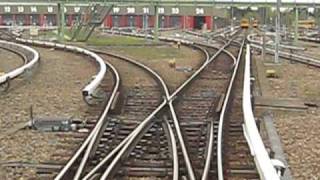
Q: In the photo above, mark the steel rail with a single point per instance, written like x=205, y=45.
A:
x=173, y=114
x=220, y=32
x=311, y=39
x=179, y=134
x=144, y=123
x=296, y=57
x=178, y=130
x=174, y=152
x=260, y=42
x=165, y=89
x=90, y=139
x=221, y=120
x=177, y=126
x=191, y=174
x=176, y=123
x=99, y=125
x=141, y=126
x=299, y=58
x=175, y=120
x=223, y=113
x=93, y=145
x=224, y=50
x=186, y=83
x=142, y=66
x=21, y=54
x=114, y=151
x=133, y=135
x=212, y=46
x=199, y=70
x=88, y=90
x=18, y=71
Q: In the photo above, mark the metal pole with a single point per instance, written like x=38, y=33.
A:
x=264, y=46
x=145, y=25
x=216, y=25
x=296, y=25
x=276, y=56
x=212, y=17
x=156, y=24
x=264, y=16
x=232, y=17
x=61, y=21
x=318, y=18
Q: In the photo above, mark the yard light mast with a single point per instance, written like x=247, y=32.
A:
x=232, y=16
x=296, y=24
x=156, y=23
x=276, y=55
x=61, y=24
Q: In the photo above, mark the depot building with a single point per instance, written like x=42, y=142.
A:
x=47, y=14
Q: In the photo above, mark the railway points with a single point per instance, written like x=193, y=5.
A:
x=159, y=90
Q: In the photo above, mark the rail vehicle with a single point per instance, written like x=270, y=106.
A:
x=244, y=23
x=307, y=24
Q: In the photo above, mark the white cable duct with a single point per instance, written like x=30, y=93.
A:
x=16, y=72
x=90, y=88
x=260, y=42
x=258, y=151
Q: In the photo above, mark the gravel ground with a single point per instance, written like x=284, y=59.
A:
x=9, y=60
x=299, y=130
x=295, y=80
x=131, y=76
x=54, y=90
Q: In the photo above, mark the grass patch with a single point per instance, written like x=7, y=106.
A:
x=152, y=52
x=47, y=33
x=114, y=40
x=54, y=34
x=96, y=40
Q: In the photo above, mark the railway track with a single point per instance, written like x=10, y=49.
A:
x=145, y=159
x=99, y=91
x=288, y=52
x=69, y=167
x=170, y=135
x=237, y=160
x=165, y=89
x=140, y=100
x=161, y=171
x=196, y=109
x=95, y=125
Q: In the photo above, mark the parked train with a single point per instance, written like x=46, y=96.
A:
x=245, y=23
x=307, y=24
